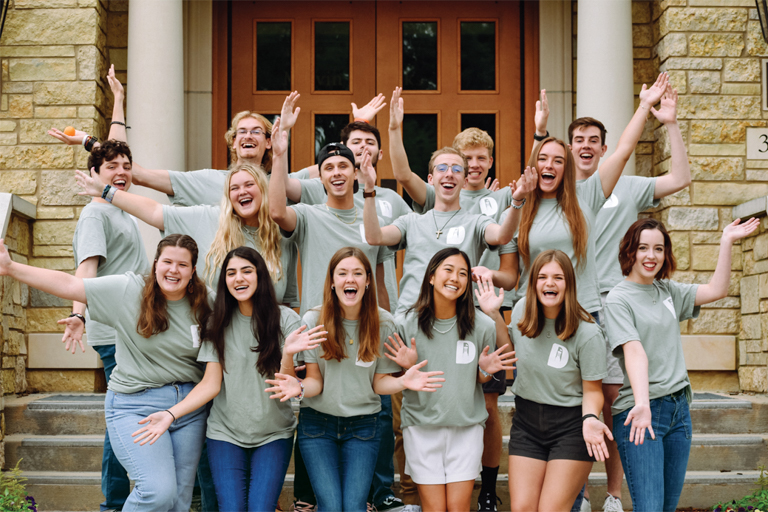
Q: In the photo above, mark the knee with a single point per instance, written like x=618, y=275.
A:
x=160, y=493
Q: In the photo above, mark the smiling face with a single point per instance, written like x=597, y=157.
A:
x=242, y=280
x=349, y=282
x=338, y=176
x=448, y=183
x=246, y=196
x=551, y=168
x=173, y=270
x=360, y=141
x=649, y=257
x=117, y=172
x=550, y=288
x=587, y=149
x=451, y=278
x=480, y=161
x=250, y=147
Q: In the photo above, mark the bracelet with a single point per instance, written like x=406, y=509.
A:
x=643, y=106
x=586, y=416
x=300, y=396
x=110, y=194
x=79, y=316
x=517, y=207
x=121, y=124
x=361, y=120
x=173, y=415
x=483, y=372
x=539, y=138
x=105, y=191
x=88, y=142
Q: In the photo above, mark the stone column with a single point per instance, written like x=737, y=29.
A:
x=156, y=92
x=556, y=63
x=604, y=85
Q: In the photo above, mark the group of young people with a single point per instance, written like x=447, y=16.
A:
x=203, y=352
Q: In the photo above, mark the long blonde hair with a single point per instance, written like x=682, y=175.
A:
x=230, y=232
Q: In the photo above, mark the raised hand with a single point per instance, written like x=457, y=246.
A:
x=283, y=387
x=486, y=296
x=69, y=140
x=279, y=138
x=496, y=361
x=287, y=114
x=640, y=419
x=114, y=84
x=542, y=114
x=158, y=423
x=493, y=186
x=650, y=96
x=367, y=174
x=299, y=340
x=417, y=380
x=667, y=112
x=401, y=353
x=5, y=260
x=369, y=111
x=736, y=231
x=529, y=180
x=595, y=432
x=396, y=109
x=480, y=273
x=73, y=333
x=91, y=184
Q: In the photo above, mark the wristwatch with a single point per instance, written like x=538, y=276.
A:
x=368, y=194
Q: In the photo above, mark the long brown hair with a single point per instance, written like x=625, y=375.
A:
x=631, y=241
x=566, y=200
x=153, y=318
x=571, y=312
x=425, y=304
x=331, y=314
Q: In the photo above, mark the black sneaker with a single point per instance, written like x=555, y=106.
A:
x=486, y=502
x=390, y=504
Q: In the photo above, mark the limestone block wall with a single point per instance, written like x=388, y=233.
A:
x=753, y=339
x=54, y=55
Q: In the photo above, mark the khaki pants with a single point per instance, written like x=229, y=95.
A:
x=407, y=486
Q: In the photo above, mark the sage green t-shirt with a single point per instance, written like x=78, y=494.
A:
x=651, y=314
x=243, y=413
x=550, y=230
x=549, y=370
x=460, y=402
x=202, y=222
x=389, y=206
x=463, y=230
x=303, y=174
x=320, y=232
x=481, y=201
x=348, y=384
x=193, y=188
x=112, y=235
x=632, y=195
x=142, y=363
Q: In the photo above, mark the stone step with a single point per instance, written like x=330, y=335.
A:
x=59, y=491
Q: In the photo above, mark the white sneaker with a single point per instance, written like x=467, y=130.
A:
x=612, y=504
x=585, y=506
x=411, y=508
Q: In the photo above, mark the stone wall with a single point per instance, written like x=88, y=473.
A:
x=753, y=339
x=54, y=55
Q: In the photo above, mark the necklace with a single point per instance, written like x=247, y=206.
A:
x=439, y=231
x=448, y=329
x=342, y=220
x=351, y=340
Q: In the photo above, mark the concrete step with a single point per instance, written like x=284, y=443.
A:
x=54, y=453
x=59, y=414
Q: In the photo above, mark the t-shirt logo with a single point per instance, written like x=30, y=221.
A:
x=455, y=235
x=465, y=352
x=364, y=364
x=670, y=306
x=195, y=335
x=558, y=356
x=612, y=202
x=385, y=208
x=362, y=233
x=489, y=206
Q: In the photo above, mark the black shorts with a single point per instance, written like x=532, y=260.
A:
x=497, y=384
x=547, y=432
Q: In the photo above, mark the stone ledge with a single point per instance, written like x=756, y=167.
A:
x=757, y=207
x=11, y=203
x=704, y=352
x=47, y=351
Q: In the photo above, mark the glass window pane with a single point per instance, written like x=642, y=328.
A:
x=478, y=56
x=273, y=56
x=328, y=129
x=420, y=141
x=332, y=56
x=485, y=122
x=420, y=56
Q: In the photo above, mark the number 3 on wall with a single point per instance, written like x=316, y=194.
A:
x=757, y=143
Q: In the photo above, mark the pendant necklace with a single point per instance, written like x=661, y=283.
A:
x=439, y=231
x=449, y=328
x=342, y=220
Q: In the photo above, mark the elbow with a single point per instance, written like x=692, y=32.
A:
x=372, y=239
x=277, y=213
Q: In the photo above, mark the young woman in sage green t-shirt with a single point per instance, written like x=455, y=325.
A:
x=338, y=429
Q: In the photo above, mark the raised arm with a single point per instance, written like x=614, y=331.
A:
x=610, y=170
x=368, y=112
x=410, y=181
x=144, y=208
x=280, y=213
x=283, y=124
x=374, y=233
x=382, y=295
x=73, y=332
x=717, y=288
x=500, y=234
x=59, y=284
x=679, y=175
x=540, y=121
x=490, y=303
x=117, y=130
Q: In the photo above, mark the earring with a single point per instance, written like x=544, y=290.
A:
x=366, y=287
x=333, y=287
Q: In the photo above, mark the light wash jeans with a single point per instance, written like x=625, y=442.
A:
x=164, y=472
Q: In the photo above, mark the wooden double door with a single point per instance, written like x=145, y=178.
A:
x=460, y=64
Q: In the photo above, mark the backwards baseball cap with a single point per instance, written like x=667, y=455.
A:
x=335, y=149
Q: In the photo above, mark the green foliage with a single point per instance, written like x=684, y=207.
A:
x=755, y=502
x=13, y=492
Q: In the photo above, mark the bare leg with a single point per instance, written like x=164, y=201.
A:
x=526, y=477
x=492, y=432
x=433, y=498
x=613, y=469
x=562, y=482
x=459, y=495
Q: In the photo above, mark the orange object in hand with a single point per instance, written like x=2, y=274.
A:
x=69, y=131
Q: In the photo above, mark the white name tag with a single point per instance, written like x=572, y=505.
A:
x=670, y=306
x=385, y=208
x=489, y=206
x=465, y=352
x=611, y=202
x=195, y=335
x=358, y=362
x=362, y=234
x=455, y=235
x=558, y=356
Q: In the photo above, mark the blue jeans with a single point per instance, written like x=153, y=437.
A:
x=340, y=455
x=655, y=470
x=249, y=479
x=164, y=472
x=114, y=479
x=384, y=472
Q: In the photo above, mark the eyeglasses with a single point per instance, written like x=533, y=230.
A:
x=454, y=168
x=256, y=132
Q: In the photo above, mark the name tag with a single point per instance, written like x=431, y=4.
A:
x=670, y=306
x=489, y=206
x=611, y=202
x=558, y=356
x=465, y=352
x=195, y=335
x=364, y=364
x=362, y=234
x=385, y=208
x=455, y=235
